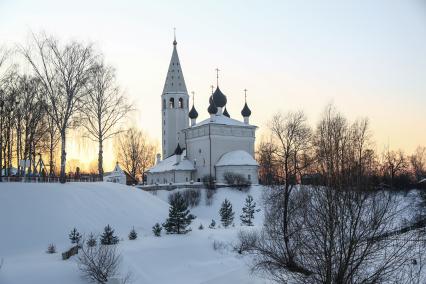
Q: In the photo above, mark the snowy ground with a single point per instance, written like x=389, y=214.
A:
x=34, y=215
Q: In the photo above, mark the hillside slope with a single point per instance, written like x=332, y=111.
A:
x=34, y=215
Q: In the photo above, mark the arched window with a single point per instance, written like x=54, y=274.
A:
x=171, y=103
x=180, y=103
x=164, y=104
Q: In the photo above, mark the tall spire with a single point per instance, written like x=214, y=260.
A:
x=174, y=33
x=175, y=82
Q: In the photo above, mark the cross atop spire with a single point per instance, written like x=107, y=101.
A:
x=217, y=76
x=174, y=33
x=193, y=97
x=212, y=87
x=245, y=95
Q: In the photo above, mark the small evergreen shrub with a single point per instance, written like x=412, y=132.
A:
x=108, y=237
x=75, y=236
x=201, y=227
x=91, y=241
x=212, y=224
x=156, y=229
x=133, y=235
x=226, y=213
x=51, y=249
x=248, y=211
x=179, y=216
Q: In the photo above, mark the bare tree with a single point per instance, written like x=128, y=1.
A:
x=394, y=163
x=99, y=263
x=4, y=56
x=292, y=135
x=268, y=166
x=135, y=152
x=337, y=233
x=104, y=107
x=63, y=72
x=418, y=163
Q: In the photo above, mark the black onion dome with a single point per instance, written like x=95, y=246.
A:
x=225, y=113
x=219, y=98
x=212, y=109
x=246, y=112
x=178, y=150
x=193, y=113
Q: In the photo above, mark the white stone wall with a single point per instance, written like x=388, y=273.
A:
x=224, y=139
x=169, y=177
x=249, y=172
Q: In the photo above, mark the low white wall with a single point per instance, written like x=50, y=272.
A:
x=169, y=177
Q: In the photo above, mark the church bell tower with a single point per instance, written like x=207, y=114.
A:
x=175, y=106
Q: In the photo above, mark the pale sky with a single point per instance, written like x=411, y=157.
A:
x=368, y=57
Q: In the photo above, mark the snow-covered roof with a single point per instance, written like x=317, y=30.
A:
x=236, y=158
x=422, y=180
x=222, y=119
x=169, y=164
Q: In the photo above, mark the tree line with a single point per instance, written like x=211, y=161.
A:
x=342, y=227
x=294, y=152
x=66, y=86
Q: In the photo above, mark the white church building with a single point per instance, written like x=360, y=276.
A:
x=192, y=150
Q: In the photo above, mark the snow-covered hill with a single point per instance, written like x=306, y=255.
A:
x=34, y=215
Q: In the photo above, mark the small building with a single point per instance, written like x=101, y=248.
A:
x=119, y=175
x=174, y=169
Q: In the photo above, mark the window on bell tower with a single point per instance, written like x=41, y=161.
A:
x=171, y=103
x=180, y=103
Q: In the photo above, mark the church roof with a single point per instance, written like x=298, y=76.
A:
x=236, y=158
x=224, y=120
x=175, y=82
x=169, y=164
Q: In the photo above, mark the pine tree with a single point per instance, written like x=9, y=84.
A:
x=108, y=237
x=133, y=235
x=201, y=227
x=179, y=216
x=156, y=229
x=75, y=236
x=226, y=213
x=91, y=241
x=248, y=211
x=212, y=224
